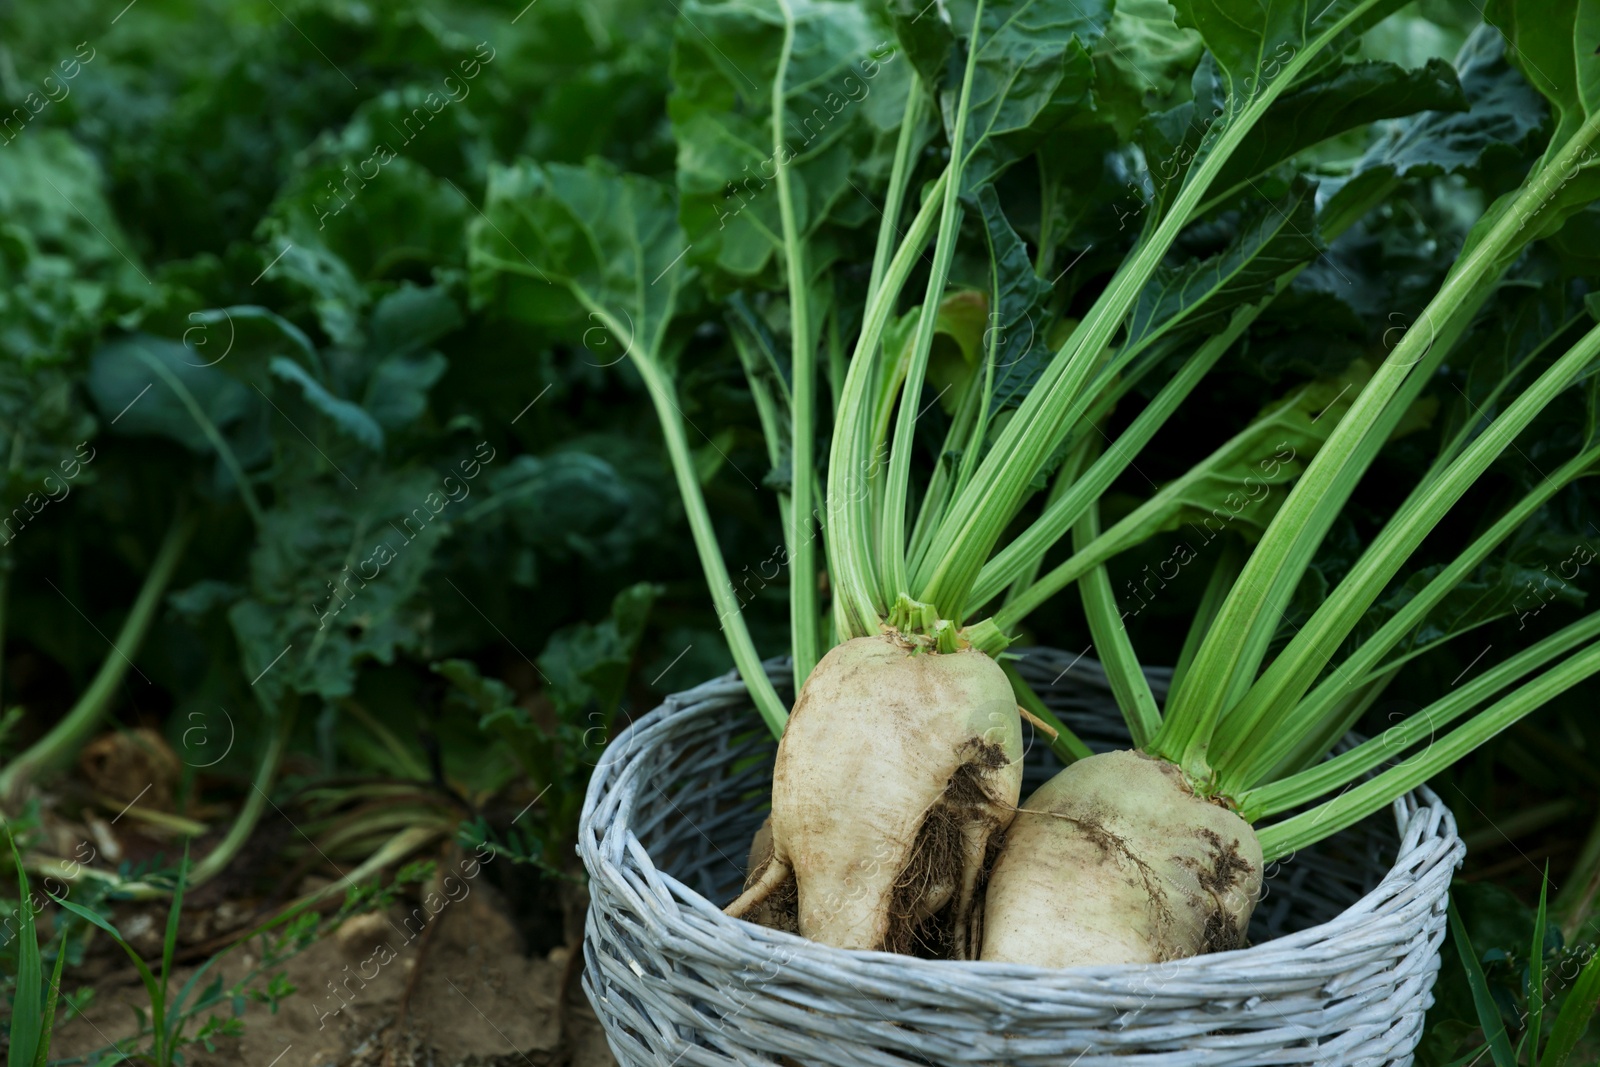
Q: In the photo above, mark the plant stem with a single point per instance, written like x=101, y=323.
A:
x=1030, y=546
x=852, y=554
x=1144, y=520
x=769, y=408
x=976, y=520
x=1066, y=477
x=1232, y=652
x=962, y=430
x=61, y=744
x=247, y=492
x=1297, y=667
x=1325, y=777
x=1358, y=802
x=1452, y=449
x=899, y=179
x=1221, y=580
x=743, y=647
x=1128, y=682
x=408, y=761
x=1262, y=748
x=244, y=823
x=892, y=545
x=803, y=354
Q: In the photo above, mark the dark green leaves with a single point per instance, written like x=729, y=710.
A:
x=600, y=508
x=335, y=578
x=1553, y=43
x=346, y=417
x=404, y=325
x=1033, y=72
x=1502, y=112
x=126, y=381
x=1142, y=59
x=27, y=1004
x=586, y=665
x=338, y=234
x=1274, y=239
x=595, y=244
x=1494, y=1027
x=61, y=273
x=1576, y=1013
x=1172, y=140
x=1253, y=42
x=582, y=672
x=842, y=98
x=1500, y=588
x=1014, y=335
x=1347, y=98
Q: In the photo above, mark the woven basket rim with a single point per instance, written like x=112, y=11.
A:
x=1323, y=951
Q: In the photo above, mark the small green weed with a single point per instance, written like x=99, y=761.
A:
x=1550, y=974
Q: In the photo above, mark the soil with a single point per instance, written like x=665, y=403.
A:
x=476, y=999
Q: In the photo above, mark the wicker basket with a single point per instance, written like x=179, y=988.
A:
x=1345, y=941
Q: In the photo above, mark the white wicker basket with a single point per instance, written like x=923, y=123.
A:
x=1344, y=955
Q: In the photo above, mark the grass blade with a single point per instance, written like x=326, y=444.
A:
x=1573, y=1020
x=169, y=948
x=26, y=1034
x=51, y=996
x=150, y=985
x=1494, y=1027
x=1536, y=973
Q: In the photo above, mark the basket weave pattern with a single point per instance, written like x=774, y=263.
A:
x=1341, y=969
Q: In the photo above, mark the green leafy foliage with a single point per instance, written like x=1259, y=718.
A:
x=1502, y=113
x=608, y=249
x=842, y=100
x=1273, y=240
x=584, y=669
x=1143, y=58
x=1346, y=97
x=1018, y=315
x=1253, y=43
x=1032, y=70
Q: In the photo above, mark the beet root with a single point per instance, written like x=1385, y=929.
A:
x=1116, y=860
x=898, y=767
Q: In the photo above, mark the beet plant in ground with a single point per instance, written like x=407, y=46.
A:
x=918, y=220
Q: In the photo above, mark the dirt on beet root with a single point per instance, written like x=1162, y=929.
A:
x=474, y=997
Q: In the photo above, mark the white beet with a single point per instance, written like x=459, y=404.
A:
x=896, y=769
x=1116, y=860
